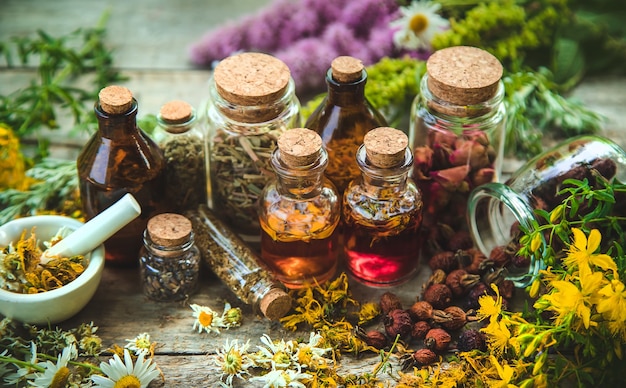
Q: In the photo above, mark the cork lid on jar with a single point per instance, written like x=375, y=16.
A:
x=346, y=69
x=176, y=112
x=169, y=229
x=275, y=304
x=463, y=75
x=299, y=147
x=385, y=147
x=115, y=99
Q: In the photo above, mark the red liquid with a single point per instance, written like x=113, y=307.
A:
x=296, y=263
x=382, y=261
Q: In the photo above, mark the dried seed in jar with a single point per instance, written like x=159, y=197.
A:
x=438, y=295
x=388, y=302
x=438, y=340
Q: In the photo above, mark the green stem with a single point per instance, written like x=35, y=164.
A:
x=20, y=363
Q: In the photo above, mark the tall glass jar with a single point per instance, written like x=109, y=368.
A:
x=169, y=261
x=457, y=137
x=382, y=212
x=499, y=212
x=118, y=159
x=252, y=101
x=182, y=140
x=299, y=212
x=343, y=117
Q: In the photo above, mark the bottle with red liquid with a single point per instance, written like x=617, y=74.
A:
x=382, y=212
x=118, y=159
x=299, y=212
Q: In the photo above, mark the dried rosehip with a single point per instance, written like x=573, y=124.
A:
x=375, y=339
x=398, y=322
x=424, y=357
x=460, y=281
x=460, y=240
x=437, y=339
x=475, y=293
x=420, y=328
x=500, y=256
x=438, y=295
x=506, y=288
x=477, y=262
x=388, y=302
x=445, y=261
x=457, y=320
x=472, y=339
x=421, y=311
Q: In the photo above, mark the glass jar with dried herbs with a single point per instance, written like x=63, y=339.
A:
x=299, y=212
x=252, y=101
x=343, y=117
x=169, y=261
x=382, y=212
x=118, y=159
x=182, y=140
x=457, y=137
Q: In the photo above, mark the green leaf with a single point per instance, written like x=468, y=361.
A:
x=568, y=63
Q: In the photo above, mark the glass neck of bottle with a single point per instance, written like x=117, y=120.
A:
x=180, y=127
x=344, y=94
x=170, y=250
x=116, y=125
x=383, y=182
x=301, y=182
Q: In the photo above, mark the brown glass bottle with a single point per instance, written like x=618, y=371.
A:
x=343, y=118
x=118, y=159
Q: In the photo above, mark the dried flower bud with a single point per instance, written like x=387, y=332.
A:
x=472, y=339
x=453, y=178
x=482, y=176
x=445, y=261
x=438, y=295
x=421, y=311
x=459, y=281
x=423, y=161
x=388, y=302
x=437, y=339
x=420, y=328
x=398, y=322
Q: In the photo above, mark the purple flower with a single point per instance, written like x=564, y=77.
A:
x=218, y=44
x=362, y=15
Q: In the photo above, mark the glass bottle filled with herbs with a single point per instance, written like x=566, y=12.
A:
x=252, y=101
x=181, y=138
x=382, y=212
x=299, y=212
x=343, y=117
x=118, y=159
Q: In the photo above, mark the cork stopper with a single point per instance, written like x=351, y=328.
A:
x=115, y=99
x=176, y=112
x=299, y=147
x=251, y=78
x=275, y=304
x=169, y=229
x=463, y=75
x=385, y=147
x=346, y=69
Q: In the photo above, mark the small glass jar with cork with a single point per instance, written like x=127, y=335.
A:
x=457, y=130
x=252, y=101
x=382, y=212
x=169, y=261
x=299, y=212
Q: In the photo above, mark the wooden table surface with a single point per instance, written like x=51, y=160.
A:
x=150, y=40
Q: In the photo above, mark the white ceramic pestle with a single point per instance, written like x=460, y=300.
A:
x=95, y=231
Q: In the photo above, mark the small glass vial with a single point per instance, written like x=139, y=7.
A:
x=343, y=117
x=252, y=101
x=169, y=261
x=382, y=212
x=118, y=159
x=497, y=212
x=299, y=212
x=457, y=130
x=238, y=266
x=182, y=141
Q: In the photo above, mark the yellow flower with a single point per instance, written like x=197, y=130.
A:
x=581, y=253
x=570, y=299
x=490, y=307
x=613, y=302
x=498, y=336
x=505, y=372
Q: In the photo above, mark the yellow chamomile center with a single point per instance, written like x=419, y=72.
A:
x=60, y=378
x=128, y=381
x=418, y=23
x=205, y=318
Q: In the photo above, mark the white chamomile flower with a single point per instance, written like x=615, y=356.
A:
x=140, y=344
x=206, y=319
x=309, y=355
x=23, y=372
x=283, y=378
x=234, y=361
x=418, y=25
x=4, y=366
x=55, y=375
x=278, y=353
x=125, y=374
x=231, y=317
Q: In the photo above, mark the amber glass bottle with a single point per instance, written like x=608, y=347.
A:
x=343, y=118
x=299, y=212
x=118, y=159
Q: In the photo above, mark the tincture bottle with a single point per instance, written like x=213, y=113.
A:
x=343, y=117
x=299, y=212
x=382, y=212
x=181, y=138
x=252, y=101
x=458, y=123
x=118, y=159
x=169, y=261
x=237, y=265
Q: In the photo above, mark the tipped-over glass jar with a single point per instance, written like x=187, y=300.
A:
x=499, y=213
x=457, y=137
x=252, y=101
